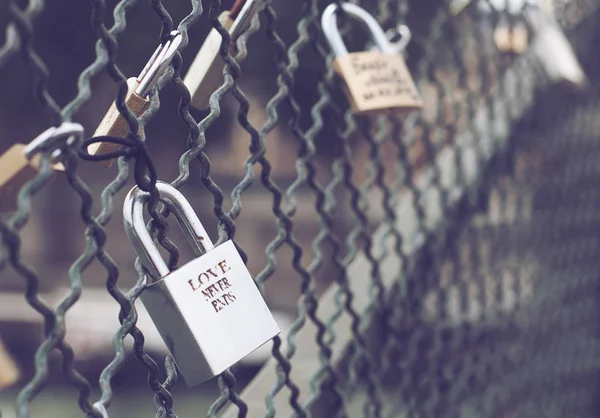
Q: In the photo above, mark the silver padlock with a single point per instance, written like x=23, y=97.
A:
x=206, y=71
x=209, y=312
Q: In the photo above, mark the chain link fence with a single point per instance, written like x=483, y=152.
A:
x=437, y=264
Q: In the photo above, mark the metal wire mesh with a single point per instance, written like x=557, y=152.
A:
x=460, y=259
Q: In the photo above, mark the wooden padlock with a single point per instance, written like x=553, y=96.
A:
x=21, y=163
x=9, y=371
x=206, y=72
x=113, y=124
x=375, y=81
x=138, y=89
x=457, y=6
x=512, y=38
x=554, y=52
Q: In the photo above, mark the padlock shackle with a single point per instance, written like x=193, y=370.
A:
x=158, y=64
x=52, y=139
x=405, y=36
x=334, y=37
x=135, y=226
x=243, y=19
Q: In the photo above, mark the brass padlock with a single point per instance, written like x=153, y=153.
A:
x=138, y=88
x=206, y=72
x=9, y=370
x=209, y=312
x=375, y=81
x=21, y=163
x=511, y=38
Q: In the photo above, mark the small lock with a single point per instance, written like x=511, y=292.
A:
x=206, y=72
x=21, y=162
x=457, y=6
x=138, y=88
x=512, y=38
x=209, y=312
x=554, y=52
x=9, y=370
x=375, y=81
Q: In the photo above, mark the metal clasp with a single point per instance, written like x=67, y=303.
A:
x=405, y=35
x=158, y=64
x=244, y=17
x=52, y=139
x=334, y=38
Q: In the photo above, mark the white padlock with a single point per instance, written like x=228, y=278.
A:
x=209, y=312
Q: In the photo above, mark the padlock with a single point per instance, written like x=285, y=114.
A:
x=206, y=72
x=21, y=163
x=554, y=52
x=209, y=312
x=457, y=6
x=511, y=38
x=9, y=370
x=138, y=88
x=511, y=35
x=375, y=81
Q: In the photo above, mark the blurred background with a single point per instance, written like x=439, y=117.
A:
x=53, y=237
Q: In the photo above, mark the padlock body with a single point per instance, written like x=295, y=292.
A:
x=206, y=72
x=113, y=124
x=513, y=39
x=210, y=314
x=378, y=82
x=9, y=370
x=15, y=171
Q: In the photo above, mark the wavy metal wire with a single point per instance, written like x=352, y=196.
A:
x=365, y=367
